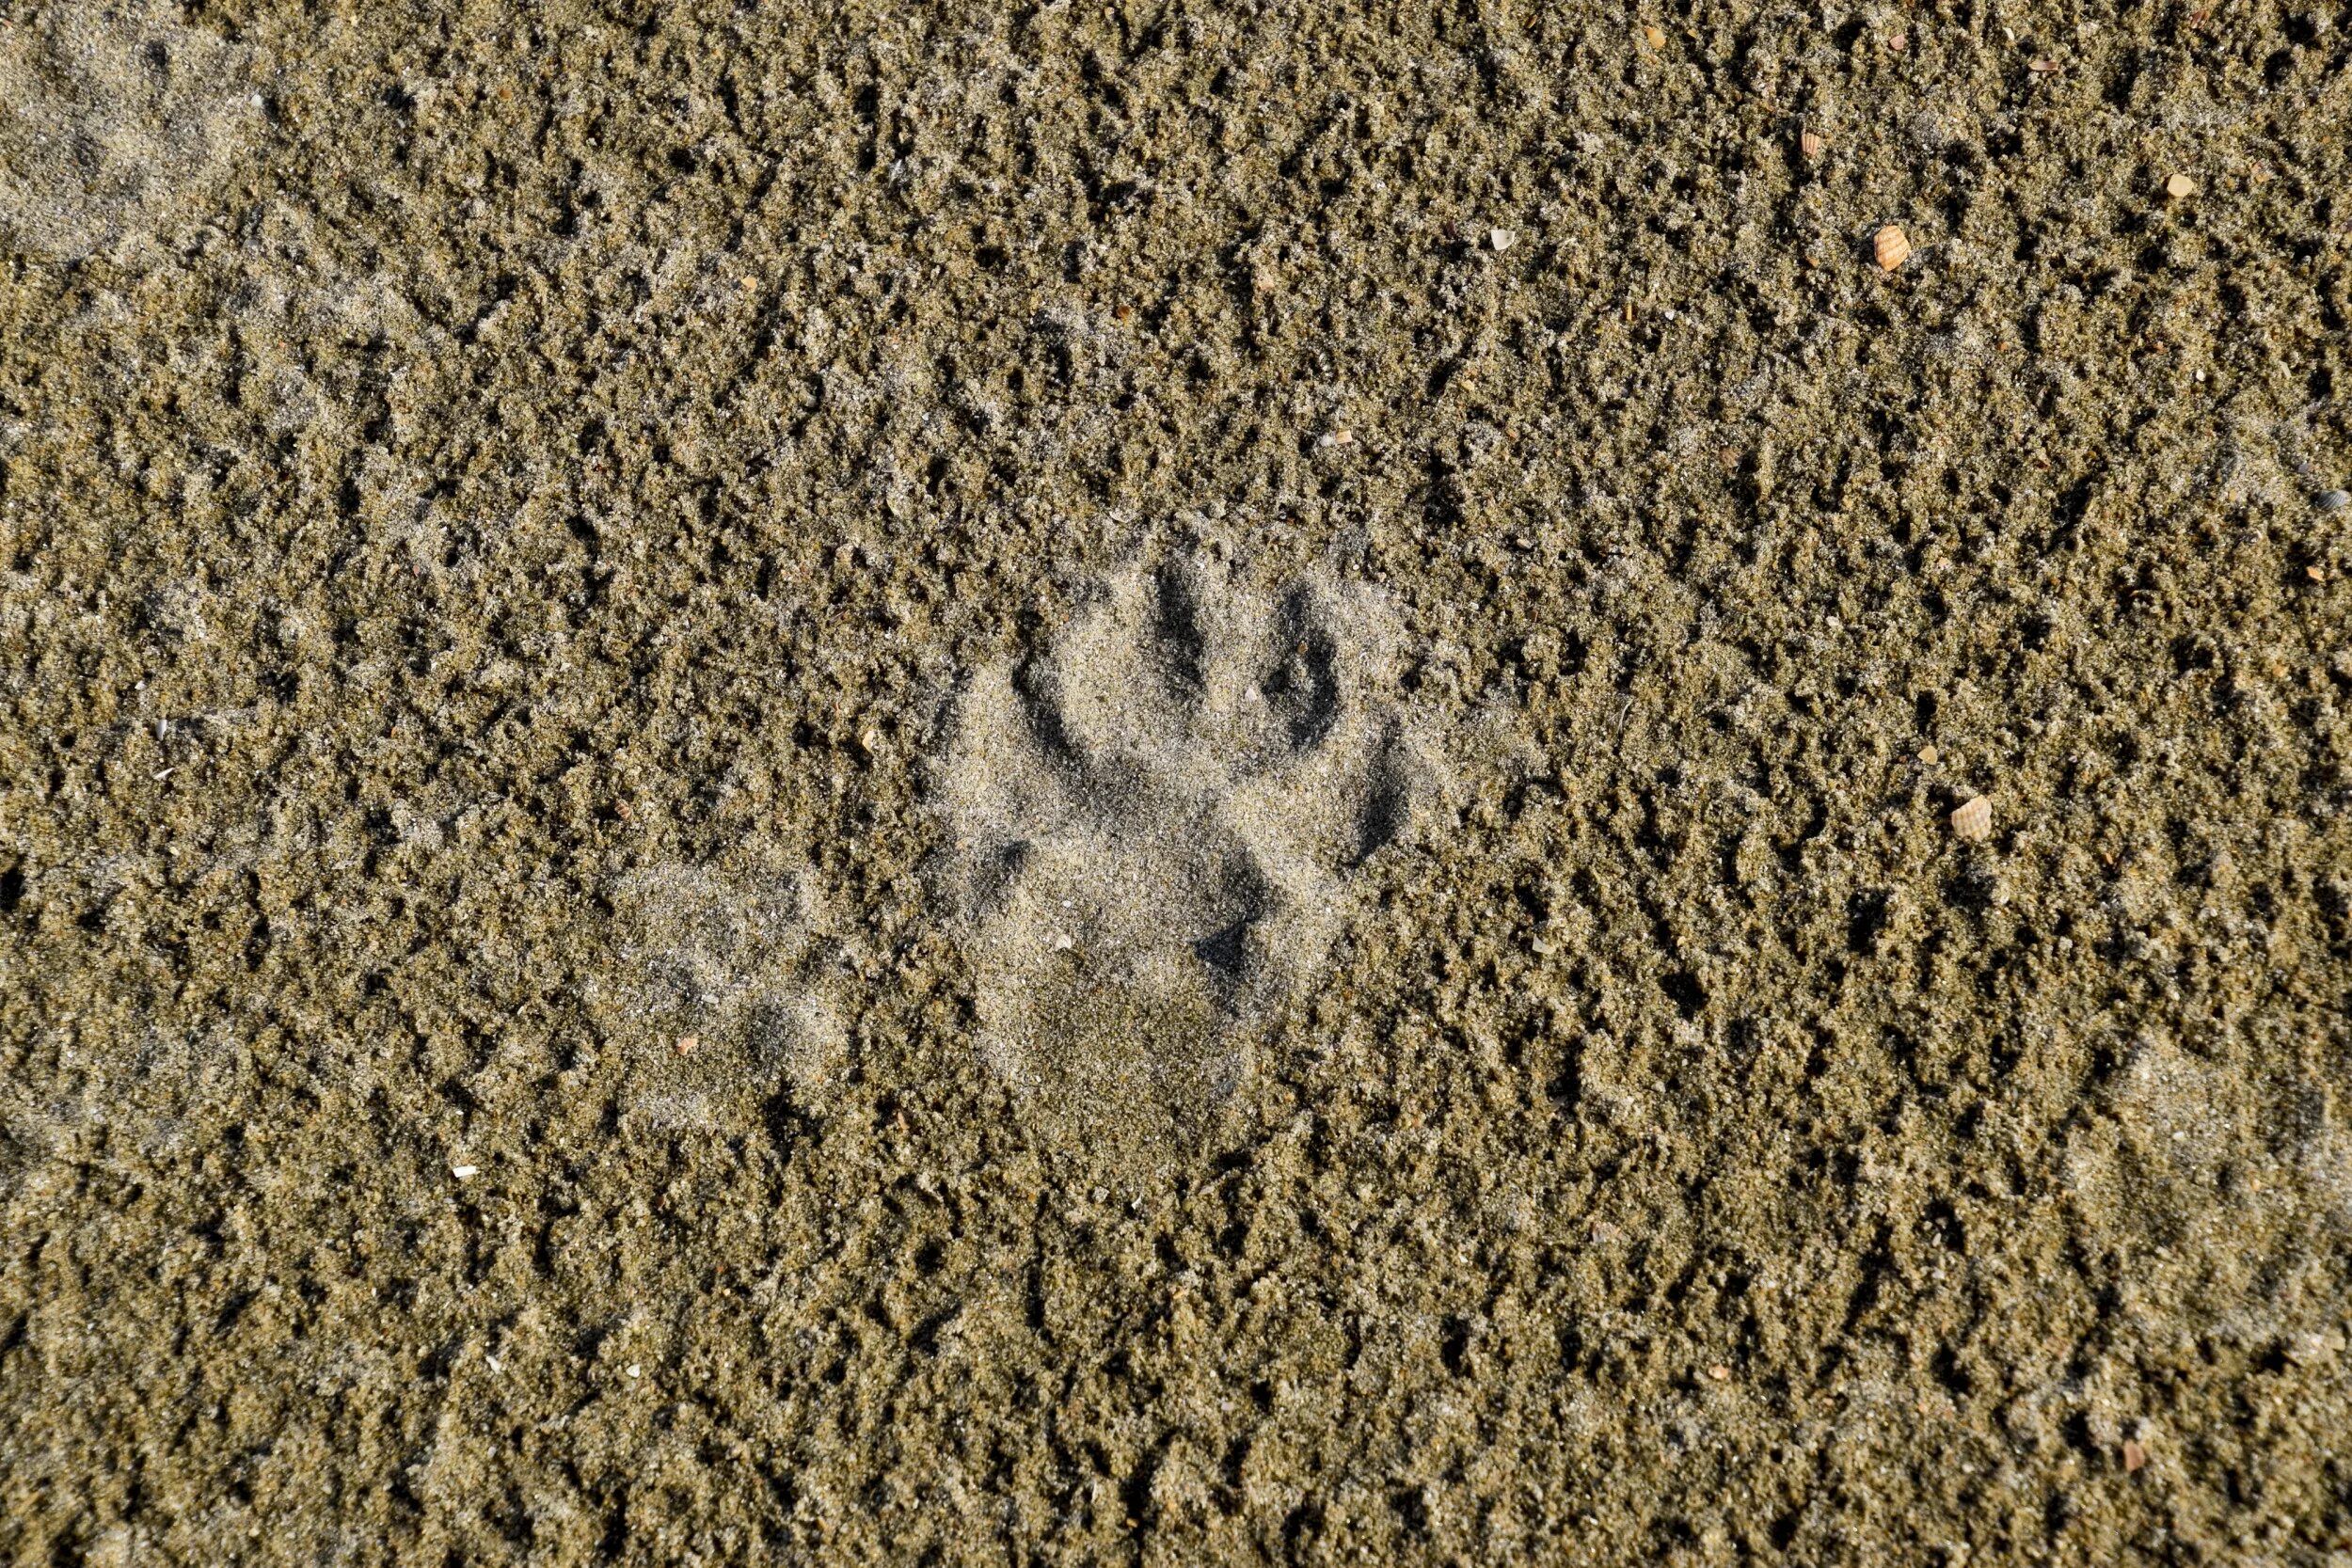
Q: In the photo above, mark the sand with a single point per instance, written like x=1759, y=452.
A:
x=592, y=591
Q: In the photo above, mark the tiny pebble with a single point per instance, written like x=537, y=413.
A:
x=634, y=1368
x=1502, y=239
x=1973, y=820
x=2134, y=1457
x=1930, y=755
x=686, y=1044
x=465, y=1173
x=2180, y=187
x=1654, y=37
x=1719, y=1372
x=2333, y=500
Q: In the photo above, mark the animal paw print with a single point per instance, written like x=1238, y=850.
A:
x=1159, y=822
x=724, y=992
x=116, y=119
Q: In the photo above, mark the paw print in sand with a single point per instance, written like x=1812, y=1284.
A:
x=116, y=119
x=1159, y=822
x=724, y=994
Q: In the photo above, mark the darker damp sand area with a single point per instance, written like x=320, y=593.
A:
x=585, y=586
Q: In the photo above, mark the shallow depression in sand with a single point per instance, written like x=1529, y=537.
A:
x=115, y=119
x=1159, y=820
x=722, y=993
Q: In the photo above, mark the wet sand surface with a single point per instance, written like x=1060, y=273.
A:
x=1174, y=784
